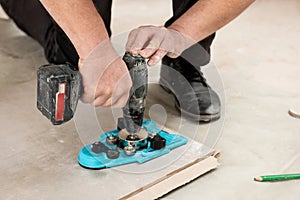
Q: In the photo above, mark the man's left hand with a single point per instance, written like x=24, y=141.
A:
x=154, y=42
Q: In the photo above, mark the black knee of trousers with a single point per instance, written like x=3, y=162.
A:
x=32, y=18
x=58, y=48
x=3, y=4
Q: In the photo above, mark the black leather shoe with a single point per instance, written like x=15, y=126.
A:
x=194, y=97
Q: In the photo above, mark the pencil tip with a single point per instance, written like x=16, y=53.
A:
x=258, y=178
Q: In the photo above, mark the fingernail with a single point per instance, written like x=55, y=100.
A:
x=142, y=53
x=151, y=62
x=134, y=52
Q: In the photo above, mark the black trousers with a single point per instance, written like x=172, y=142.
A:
x=31, y=17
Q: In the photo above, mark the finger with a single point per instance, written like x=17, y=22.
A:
x=121, y=94
x=107, y=104
x=115, y=99
x=151, y=48
x=101, y=101
x=130, y=40
x=157, y=56
x=103, y=90
x=133, y=34
x=139, y=42
x=121, y=102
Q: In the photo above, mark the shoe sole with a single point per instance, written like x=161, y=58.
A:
x=202, y=118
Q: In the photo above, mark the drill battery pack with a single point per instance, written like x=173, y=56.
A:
x=58, y=91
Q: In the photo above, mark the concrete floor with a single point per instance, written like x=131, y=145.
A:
x=256, y=57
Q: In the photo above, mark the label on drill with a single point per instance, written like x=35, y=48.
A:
x=60, y=102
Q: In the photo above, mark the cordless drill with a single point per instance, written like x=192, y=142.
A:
x=59, y=88
x=133, y=111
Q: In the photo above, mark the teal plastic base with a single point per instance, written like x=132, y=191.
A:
x=89, y=159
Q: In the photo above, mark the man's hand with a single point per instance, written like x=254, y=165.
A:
x=106, y=80
x=154, y=42
x=201, y=20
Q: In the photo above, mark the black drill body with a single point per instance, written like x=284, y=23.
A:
x=59, y=88
x=133, y=111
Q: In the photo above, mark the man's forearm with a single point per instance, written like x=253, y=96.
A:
x=207, y=16
x=80, y=21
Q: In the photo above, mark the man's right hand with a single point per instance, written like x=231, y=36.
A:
x=106, y=80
